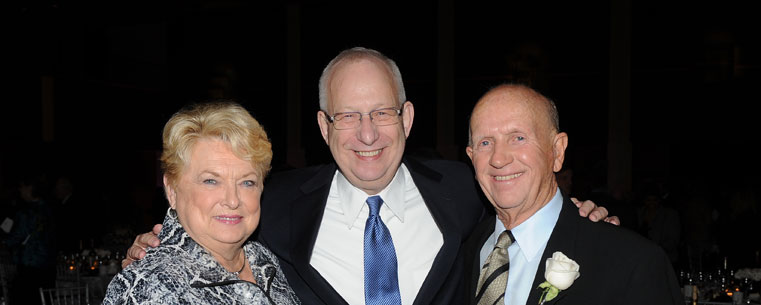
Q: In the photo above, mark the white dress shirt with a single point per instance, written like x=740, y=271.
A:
x=525, y=253
x=338, y=253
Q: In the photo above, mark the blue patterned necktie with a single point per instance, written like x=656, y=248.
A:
x=381, y=280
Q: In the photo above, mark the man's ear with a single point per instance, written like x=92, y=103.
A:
x=558, y=149
x=322, y=121
x=171, y=194
x=408, y=115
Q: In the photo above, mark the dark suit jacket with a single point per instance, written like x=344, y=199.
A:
x=617, y=265
x=292, y=208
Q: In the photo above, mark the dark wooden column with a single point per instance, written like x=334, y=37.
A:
x=619, y=105
x=445, y=135
x=48, y=108
x=295, y=151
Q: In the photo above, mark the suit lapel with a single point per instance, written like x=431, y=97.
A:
x=441, y=206
x=307, y=211
x=473, y=255
x=563, y=239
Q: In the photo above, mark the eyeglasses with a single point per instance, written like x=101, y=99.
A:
x=351, y=120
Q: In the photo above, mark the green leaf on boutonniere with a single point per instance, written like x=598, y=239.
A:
x=550, y=292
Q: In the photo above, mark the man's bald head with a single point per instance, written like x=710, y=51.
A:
x=510, y=92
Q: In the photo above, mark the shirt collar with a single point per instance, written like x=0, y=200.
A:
x=532, y=235
x=352, y=199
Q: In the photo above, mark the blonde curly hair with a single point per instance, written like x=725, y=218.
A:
x=223, y=120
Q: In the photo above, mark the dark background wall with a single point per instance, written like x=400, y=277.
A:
x=89, y=85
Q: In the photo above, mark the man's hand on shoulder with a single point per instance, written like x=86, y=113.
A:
x=142, y=242
x=589, y=209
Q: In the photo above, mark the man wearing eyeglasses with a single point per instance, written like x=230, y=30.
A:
x=428, y=208
x=373, y=227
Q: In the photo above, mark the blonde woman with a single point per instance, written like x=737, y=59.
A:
x=215, y=157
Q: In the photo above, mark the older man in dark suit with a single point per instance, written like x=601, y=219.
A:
x=515, y=147
x=317, y=219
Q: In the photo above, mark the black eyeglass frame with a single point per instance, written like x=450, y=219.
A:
x=332, y=118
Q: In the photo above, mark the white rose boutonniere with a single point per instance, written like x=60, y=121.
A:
x=560, y=272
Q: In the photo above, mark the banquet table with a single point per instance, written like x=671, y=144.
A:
x=688, y=302
x=96, y=284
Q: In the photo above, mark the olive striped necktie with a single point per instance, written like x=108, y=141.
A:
x=493, y=279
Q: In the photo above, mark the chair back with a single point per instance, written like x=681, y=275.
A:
x=65, y=296
x=7, y=273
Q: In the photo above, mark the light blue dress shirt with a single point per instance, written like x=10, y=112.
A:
x=531, y=238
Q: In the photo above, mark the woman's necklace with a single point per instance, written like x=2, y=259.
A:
x=236, y=273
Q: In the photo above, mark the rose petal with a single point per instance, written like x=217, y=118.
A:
x=563, y=266
x=561, y=280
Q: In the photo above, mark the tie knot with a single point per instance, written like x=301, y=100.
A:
x=374, y=203
x=505, y=239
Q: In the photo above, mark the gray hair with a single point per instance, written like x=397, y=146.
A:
x=353, y=55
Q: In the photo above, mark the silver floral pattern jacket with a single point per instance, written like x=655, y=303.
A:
x=180, y=271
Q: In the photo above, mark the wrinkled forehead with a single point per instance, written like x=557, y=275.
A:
x=510, y=108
